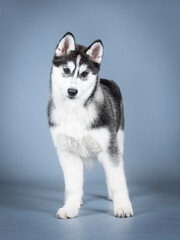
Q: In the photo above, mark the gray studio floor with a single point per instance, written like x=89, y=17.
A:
x=27, y=211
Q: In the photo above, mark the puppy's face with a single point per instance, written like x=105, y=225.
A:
x=75, y=68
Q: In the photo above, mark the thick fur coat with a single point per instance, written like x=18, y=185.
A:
x=86, y=121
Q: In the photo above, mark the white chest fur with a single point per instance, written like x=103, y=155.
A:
x=73, y=132
x=73, y=119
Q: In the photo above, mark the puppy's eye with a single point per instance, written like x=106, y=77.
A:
x=66, y=70
x=84, y=74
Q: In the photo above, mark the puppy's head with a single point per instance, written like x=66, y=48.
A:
x=75, y=68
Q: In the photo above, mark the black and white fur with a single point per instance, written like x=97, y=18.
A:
x=86, y=120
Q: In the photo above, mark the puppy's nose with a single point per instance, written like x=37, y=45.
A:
x=72, y=92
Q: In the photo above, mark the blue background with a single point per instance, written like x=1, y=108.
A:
x=142, y=54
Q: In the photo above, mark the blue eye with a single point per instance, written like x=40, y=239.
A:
x=66, y=70
x=84, y=74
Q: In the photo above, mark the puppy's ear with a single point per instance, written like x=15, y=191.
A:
x=66, y=44
x=95, y=51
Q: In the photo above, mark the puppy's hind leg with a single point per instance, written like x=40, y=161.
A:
x=72, y=166
x=108, y=189
x=117, y=185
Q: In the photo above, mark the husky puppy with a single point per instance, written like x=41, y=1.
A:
x=86, y=121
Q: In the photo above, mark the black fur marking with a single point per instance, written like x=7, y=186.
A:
x=50, y=85
x=93, y=66
x=85, y=59
x=113, y=148
x=92, y=94
x=110, y=115
x=50, y=108
x=103, y=119
x=114, y=92
x=60, y=60
x=110, y=112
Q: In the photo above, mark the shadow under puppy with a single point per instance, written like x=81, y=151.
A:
x=86, y=121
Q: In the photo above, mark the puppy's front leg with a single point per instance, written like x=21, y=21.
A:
x=72, y=166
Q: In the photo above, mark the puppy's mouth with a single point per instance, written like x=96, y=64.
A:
x=71, y=97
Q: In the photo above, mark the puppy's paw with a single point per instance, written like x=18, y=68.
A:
x=67, y=212
x=123, y=210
